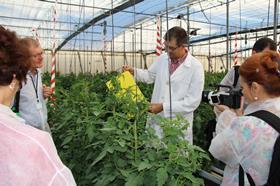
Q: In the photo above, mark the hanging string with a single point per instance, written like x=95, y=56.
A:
x=113, y=65
x=235, y=50
x=169, y=61
x=268, y=14
x=158, y=44
x=53, y=61
x=134, y=44
x=240, y=26
x=104, y=45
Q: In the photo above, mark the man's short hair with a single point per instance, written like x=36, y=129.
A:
x=263, y=43
x=30, y=42
x=177, y=33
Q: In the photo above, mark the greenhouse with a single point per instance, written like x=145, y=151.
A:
x=140, y=92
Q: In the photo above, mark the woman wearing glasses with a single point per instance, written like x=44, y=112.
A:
x=32, y=105
x=178, y=70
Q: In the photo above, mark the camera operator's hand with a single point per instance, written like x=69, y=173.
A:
x=128, y=68
x=221, y=108
x=238, y=112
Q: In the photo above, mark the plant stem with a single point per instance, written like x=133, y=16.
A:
x=135, y=137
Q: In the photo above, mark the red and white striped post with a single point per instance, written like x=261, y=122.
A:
x=35, y=34
x=235, y=50
x=158, y=46
x=53, y=59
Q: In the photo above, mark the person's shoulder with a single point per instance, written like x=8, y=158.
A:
x=40, y=71
x=246, y=123
x=39, y=142
x=231, y=71
x=194, y=61
x=163, y=57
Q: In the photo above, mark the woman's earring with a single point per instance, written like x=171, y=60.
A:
x=256, y=98
x=12, y=86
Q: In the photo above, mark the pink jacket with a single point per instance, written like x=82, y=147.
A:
x=27, y=155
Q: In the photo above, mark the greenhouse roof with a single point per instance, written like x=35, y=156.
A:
x=79, y=24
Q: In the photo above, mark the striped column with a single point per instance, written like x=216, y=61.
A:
x=53, y=59
x=35, y=34
x=158, y=45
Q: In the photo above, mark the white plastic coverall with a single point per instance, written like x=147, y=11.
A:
x=245, y=140
x=28, y=155
x=187, y=83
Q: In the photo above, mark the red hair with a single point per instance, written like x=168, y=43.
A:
x=263, y=68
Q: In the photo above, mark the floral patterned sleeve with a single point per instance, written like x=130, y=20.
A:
x=221, y=146
x=224, y=120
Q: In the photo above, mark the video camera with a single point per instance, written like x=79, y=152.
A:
x=230, y=97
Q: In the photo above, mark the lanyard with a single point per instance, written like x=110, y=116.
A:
x=35, y=86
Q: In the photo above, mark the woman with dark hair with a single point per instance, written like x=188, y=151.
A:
x=247, y=140
x=27, y=155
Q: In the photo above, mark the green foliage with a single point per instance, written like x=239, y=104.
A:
x=104, y=139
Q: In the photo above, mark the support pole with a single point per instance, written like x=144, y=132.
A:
x=227, y=29
x=141, y=46
x=275, y=23
x=188, y=24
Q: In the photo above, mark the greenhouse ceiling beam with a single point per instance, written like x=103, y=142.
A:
x=230, y=53
x=232, y=33
x=99, y=18
x=241, y=50
x=46, y=29
x=100, y=8
x=233, y=39
x=67, y=22
x=209, y=8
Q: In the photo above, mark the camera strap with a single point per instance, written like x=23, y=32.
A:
x=236, y=75
x=15, y=106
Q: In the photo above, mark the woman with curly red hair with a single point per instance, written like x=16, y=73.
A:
x=248, y=140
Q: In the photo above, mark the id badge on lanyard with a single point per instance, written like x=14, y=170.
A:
x=35, y=86
x=39, y=105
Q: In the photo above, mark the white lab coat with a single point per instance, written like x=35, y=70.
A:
x=34, y=116
x=187, y=83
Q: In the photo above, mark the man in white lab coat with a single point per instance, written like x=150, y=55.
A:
x=186, y=80
x=32, y=104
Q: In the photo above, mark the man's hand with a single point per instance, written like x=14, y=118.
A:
x=155, y=108
x=128, y=68
x=46, y=91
